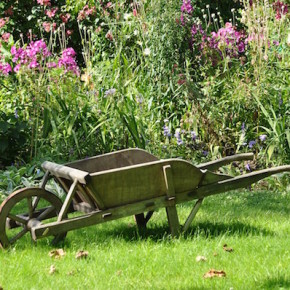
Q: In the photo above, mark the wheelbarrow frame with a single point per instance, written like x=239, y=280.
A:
x=82, y=190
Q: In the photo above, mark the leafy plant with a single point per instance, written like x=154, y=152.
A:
x=14, y=135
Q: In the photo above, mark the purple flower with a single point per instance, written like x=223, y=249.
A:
x=186, y=7
x=68, y=61
x=243, y=126
x=204, y=153
x=166, y=131
x=263, y=137
x=51, y=64
x=193, y=135
x=252, y=143
x=16, y=114
x=178, y=138
x=247, y=166
x=110, y=92
x=5, y=68
x=275, y=42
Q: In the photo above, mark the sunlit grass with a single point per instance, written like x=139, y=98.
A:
x=254, y=224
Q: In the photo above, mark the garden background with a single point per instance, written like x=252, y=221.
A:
x=197, y=80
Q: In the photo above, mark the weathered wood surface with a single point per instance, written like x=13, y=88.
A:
x=143, y=181
x=192, y=214
x=216, y=164
x=118, y=159
x=234, y=183
x=171, y=211
x=99, y=216
x=66, y=172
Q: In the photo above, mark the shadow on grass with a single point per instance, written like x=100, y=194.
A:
x=276, y=283
x=161, y=233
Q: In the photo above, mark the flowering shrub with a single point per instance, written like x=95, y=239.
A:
x=37, y=56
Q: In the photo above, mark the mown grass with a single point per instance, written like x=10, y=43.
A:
x=254, y=224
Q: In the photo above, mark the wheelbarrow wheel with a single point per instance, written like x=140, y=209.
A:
x=24, y=209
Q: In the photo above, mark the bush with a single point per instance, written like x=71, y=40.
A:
x=14, y=138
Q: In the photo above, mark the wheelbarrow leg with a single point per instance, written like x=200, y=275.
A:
x=192, y=215
x=141, y=219
x=171, y=209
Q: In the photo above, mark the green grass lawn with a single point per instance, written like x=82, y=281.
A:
x=254, y=224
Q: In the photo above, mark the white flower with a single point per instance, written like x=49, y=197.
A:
x=147, y=51
x=127, y=16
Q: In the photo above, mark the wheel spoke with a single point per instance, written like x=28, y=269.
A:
x=35, y=202
x=30, y=207
x=17, y=218
x=45, y=213
x=18, y=236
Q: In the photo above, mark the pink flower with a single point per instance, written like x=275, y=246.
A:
x=6, y=36
x=65, y=17
x=5, y=68
x=68, y=61
x=135, y=13
x=33, y=64
x=3, y=21
x=186, y=7
x=281, y=9
x=51, y=64
x=17, y=68
x=51, y=13
x=69, y=32
x=46, y=26
x=44, y=2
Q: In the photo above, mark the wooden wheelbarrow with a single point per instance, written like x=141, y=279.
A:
x=112, y=186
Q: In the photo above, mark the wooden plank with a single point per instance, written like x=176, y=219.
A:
x=66, y=172
x=96, y=217
x=44, y=180
x=67, y=202
x=235, y=182
x=143, y=181
x=216, y=164
x=171, y=211
x=118, y=159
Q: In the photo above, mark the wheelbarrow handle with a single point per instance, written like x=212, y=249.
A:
x=216, y=164
x=236, y=182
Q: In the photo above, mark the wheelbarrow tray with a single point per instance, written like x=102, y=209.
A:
x=131, y=182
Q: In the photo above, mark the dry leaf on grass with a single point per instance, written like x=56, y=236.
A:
x=215, y=254
x=52, y=270
x=1, y=288
x=214, y=273
x=82, y=254
x=71, y=273
x=227, y=249
x=57, y=254
x=200, y=259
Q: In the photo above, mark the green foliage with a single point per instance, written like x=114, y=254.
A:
x=13, y=138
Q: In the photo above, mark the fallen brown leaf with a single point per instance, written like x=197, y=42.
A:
x=200, y=259
x=214, y=273
x=1, y=288
x=82, y=254
x=71, y=273
x=119, y=272
x=57, y=254
x=227, y=249
x=52, y=270
x=215, y=254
